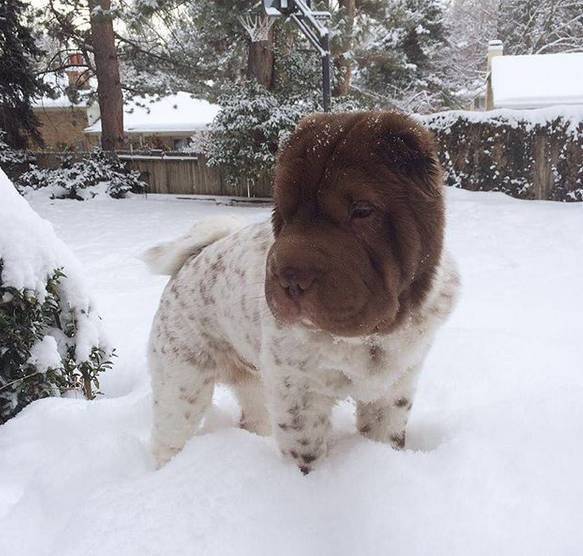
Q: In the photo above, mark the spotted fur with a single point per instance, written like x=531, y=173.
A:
x=218, y=317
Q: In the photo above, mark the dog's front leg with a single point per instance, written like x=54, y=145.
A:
x=300, y=419
x=385, y=420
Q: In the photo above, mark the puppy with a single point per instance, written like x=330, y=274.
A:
x=339, y=296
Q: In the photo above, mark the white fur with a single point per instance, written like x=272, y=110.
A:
x=167, y=258
x=214, y=325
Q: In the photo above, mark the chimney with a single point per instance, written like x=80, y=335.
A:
x=74, y=73
x=495, y=48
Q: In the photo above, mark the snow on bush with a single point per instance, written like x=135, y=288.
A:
x=51, y=340
x=529, y=154
x=12, y=159
x=98, y=174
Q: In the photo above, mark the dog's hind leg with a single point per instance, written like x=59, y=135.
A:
x=182, y=391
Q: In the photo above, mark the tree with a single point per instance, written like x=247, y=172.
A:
x=342, y=46
x=202, y=47
x=541, y=26
x=260, y=58
x=19, y=83
x=86, y=26
x=400, y=40
x=199, y=47
x=107, y=72
x=469, y=26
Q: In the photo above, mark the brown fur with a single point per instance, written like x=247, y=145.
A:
x=344, y=270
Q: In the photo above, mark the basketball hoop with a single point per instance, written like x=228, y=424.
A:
x=257, y=26
x=313, y=26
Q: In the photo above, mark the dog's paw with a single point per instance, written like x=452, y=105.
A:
x=163, y=454
x=305, y=461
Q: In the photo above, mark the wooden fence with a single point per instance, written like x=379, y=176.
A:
x=175, y=173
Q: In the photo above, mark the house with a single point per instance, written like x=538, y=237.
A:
x=166, y=123
x=63, y=119
x=533, y=81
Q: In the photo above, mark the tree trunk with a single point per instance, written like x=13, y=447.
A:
x=260, y=62
x=109, y=92
x=342, y=60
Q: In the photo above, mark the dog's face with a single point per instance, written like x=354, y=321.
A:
x=358, y=223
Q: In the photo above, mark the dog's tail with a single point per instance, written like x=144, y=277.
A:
x=167, y=258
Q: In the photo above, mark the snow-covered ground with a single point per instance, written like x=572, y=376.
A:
x=495, y=452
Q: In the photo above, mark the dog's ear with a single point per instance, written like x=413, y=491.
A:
x=412, y=153
x=407, y=150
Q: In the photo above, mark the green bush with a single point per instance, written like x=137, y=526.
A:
x=100, y=173
x=25, y=322
x=13, y=161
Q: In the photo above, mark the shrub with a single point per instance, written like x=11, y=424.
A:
x=525, y=153
x=50, y=333
x=99, y=174
x=13, y=161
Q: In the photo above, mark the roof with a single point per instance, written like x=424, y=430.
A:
x=59, y=82
x=537, y=81
x=172, y=114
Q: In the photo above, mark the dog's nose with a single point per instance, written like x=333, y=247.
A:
x=295, y=281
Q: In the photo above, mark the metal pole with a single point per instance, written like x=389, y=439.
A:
x=318, y=35
x=326, y=85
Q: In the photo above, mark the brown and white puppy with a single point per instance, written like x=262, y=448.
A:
x=340, y=296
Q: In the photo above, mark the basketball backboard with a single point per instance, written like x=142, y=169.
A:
x=276, y=8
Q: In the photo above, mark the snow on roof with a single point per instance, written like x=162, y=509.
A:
x=62, y=101
x=60, y=82
x=537, y=81
x=178, y=113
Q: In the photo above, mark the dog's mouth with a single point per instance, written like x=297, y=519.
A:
x=308, y=314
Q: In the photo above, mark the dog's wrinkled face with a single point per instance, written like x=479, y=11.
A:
x=358, y=223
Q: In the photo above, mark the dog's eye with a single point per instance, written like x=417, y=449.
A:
x=361, y=209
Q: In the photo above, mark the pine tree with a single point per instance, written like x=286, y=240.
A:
x=399, y=47
x=19, y=84
x=343, y=44
x=199, y=47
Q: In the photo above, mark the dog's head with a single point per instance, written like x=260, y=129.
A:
x=358, y=223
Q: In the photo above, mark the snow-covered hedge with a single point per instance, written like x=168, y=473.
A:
x=529, y=154
x=51, y=339
x=98, y=174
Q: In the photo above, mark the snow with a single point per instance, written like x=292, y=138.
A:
x=44, y=355
x=529, y=119
x=60, y=82
x=31, y=252
x=535, y=81
x=494, y=457
x=170, y=114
